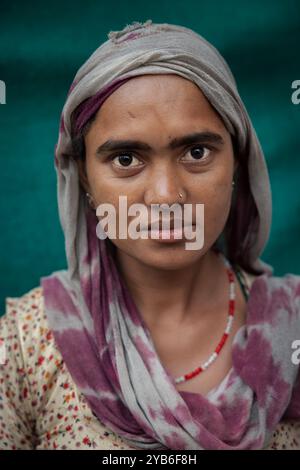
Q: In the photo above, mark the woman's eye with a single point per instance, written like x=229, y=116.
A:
x=125, y=160
x=199, y=152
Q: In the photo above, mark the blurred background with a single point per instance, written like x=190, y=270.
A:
x=42, y=45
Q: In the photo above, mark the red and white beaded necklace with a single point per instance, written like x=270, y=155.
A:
x=231, y=310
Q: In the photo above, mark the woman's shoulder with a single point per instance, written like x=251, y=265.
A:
x=36, y=383
x=269, y=296
x=29, y=361
x=289, y=282
x=25, y=307
x=25, y=322
x=27, y=338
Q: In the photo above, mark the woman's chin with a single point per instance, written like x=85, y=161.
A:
x=166, y=256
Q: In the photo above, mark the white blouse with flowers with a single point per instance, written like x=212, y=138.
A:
x=40, y=405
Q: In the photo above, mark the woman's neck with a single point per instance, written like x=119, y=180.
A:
x=167, y=296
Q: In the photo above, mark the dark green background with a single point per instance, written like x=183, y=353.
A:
x=41, y=47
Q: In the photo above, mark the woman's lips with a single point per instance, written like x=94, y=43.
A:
x=169, y=236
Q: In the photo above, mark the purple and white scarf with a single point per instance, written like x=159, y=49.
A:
x=99, y=331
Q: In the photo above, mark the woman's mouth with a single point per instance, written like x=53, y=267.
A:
x=172, y=235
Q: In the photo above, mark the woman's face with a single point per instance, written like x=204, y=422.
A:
x=155, y=110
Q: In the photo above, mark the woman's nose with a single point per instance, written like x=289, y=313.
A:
x=164, y=187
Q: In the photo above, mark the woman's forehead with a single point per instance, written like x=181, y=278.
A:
x=176, y=104
x=152, y=88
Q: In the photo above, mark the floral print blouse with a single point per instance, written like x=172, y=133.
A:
x=40, y=405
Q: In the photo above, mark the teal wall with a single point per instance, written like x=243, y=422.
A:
x=42, y=44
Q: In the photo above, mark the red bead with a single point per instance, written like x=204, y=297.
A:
x=231, y=306
x=221, y=343
x=192, y=374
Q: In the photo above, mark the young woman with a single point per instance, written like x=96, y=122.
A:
x=142, y=343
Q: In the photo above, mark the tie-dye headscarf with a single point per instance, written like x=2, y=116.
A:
x=97, y=327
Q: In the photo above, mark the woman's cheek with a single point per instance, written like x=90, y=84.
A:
x=216, y=209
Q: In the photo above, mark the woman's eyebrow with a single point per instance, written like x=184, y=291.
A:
x=196, y=137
